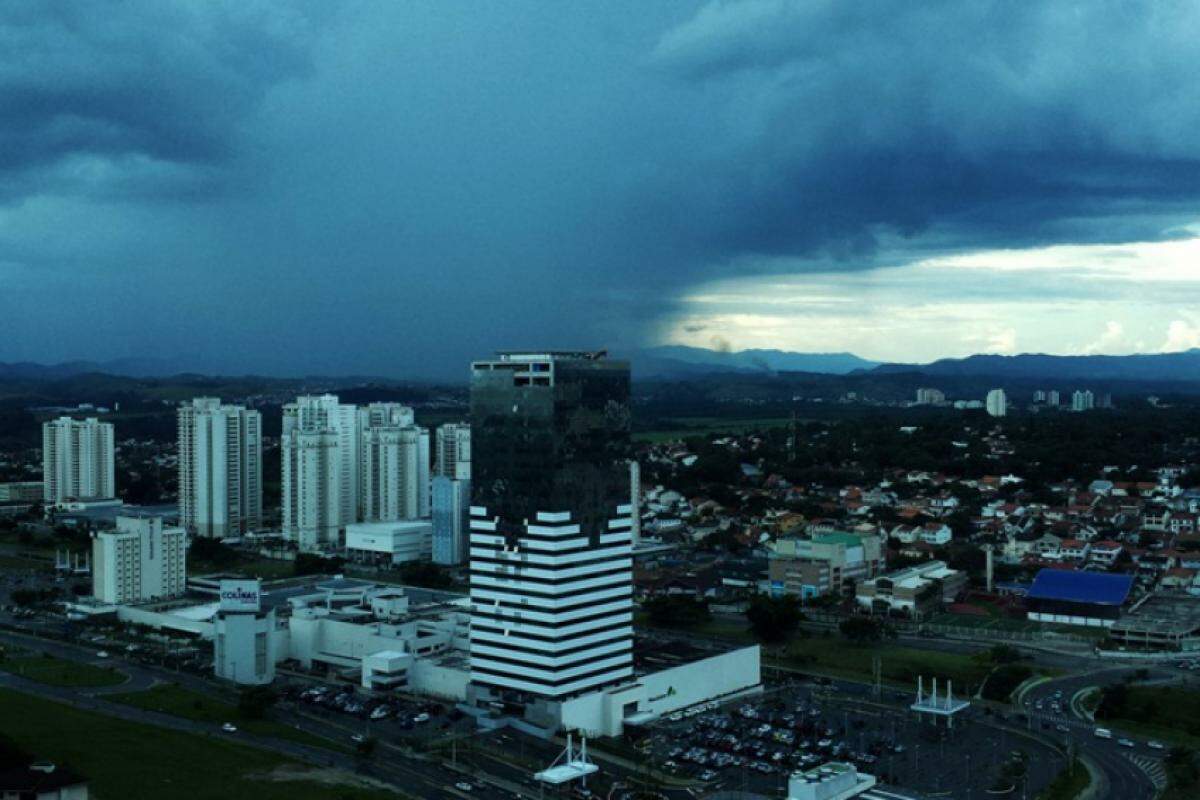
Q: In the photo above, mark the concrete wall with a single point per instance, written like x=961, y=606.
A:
x=433, y=679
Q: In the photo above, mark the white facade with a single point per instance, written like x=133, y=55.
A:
x=78, y=459
x=997, y=403
x=451, y=512
x=603, y=712
x=139, y=561
x=395, y=473
x=1083, y=400
x=389, y=542
x=930, y=397
x=635, y=501
x=320, y=464
x=244, y=646
x=454, y=451
x=552, y=614
x=220, y=468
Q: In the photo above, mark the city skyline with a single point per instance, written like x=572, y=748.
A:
x=905, y=183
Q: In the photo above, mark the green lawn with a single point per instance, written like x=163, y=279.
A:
x=180, y=702
x=126, y=759
x=717, y=628
x=901, y=665
x=60, y=672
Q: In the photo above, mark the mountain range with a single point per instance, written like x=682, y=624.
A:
x=679, y=361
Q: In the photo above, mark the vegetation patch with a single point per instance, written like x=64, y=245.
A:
x=129, y=759
x=249, y=714
x=1068, y=784
x=60, y=672
x=1164, y=712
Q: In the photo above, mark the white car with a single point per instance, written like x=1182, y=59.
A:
x=102, y=654
x=1125, y=742
x=463, y=786
x=422, y=717
x=1155, y=745
x=229, y=727
x=357, y=738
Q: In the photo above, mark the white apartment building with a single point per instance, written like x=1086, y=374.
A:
x=635, y=500
x=220, y=468
x=997, y=403
x=454, y=451
x=78, y=460
x=394, y=469
x=451, y=514
x=930, y=397
x=139, y=561
x=1083, y=400
x=320, y=465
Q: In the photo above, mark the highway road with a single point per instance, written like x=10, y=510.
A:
x=1128, y=773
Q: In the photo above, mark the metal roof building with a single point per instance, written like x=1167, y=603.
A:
x=1069, y=597
x=1104, y=588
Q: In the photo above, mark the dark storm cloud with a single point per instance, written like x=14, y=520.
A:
x=397, y=187
x=969, y=123
x=140, y=96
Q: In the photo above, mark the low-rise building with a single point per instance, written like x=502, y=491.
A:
x=828, y=563
x=913, y=592
x=22, y=492
x=389, y=542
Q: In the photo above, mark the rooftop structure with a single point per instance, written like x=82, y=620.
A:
x=1070, y=597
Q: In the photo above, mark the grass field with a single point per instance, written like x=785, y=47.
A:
x=717, y=628
x=60, y=672
x=901, y=665
x=180, y=702
x=126, y=759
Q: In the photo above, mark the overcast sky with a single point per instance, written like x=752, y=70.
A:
x=396, y=187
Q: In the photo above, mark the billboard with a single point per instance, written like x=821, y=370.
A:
x=240, y=595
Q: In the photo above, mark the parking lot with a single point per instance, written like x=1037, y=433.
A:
x=380, y=715
x=754, y=745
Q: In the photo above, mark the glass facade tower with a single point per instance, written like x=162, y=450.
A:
x=551, y=540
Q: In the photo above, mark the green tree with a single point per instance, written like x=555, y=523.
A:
x=255, y=702
x=677, y=611
x=774, y=619
x=861, y=629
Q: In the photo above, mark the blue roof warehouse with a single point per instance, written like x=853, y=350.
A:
x=1069, y=597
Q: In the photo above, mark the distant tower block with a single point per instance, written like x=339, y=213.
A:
x=990, y=569
x=943, y=707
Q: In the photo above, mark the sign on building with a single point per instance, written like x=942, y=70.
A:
x=241, y=596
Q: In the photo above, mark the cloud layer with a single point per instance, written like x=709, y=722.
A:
x=398, y=187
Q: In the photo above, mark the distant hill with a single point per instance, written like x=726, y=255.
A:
x=1183, y=366
x=127, y=367
x=682, y=360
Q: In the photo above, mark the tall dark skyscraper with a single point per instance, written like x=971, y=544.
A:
x=551, y=540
